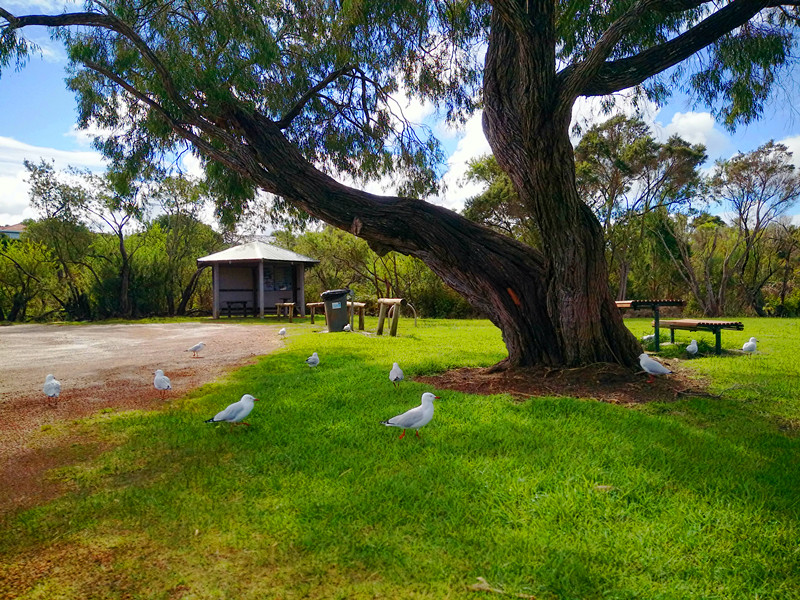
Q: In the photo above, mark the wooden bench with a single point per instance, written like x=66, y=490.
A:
x=312, y=307
x=715, y=327
x=238, y=306
x=289, y=306
x=651, y=304
x=359, y=306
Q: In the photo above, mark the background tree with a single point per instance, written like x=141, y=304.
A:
x=185, y=238
x=759, y=187
x=498, y=206
x=25, y=279
x=623, y=174
x=284, y=97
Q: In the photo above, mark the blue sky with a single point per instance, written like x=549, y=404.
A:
x=37, y=120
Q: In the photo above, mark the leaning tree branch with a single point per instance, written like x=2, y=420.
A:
x=177, y=126
x=112, y=23
x=628, y=72
x=287, y=119
x=628, y=22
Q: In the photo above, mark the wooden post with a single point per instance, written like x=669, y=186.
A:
x=658, y=333
x=381, y=317
x=718, y=347
x=215, y=278
x=385, y=303
x=261, y=289
x=395, y=318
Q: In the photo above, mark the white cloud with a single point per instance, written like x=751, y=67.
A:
x=14, y=196
x=793, y=144
x=472, y=144
x=696, y=128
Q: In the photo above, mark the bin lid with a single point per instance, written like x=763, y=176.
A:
x=330, y=294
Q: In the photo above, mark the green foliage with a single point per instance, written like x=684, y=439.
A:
x=549, y=497
x=498, y=206
x=347, y=261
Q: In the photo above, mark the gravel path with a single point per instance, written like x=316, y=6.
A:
x=100, y=366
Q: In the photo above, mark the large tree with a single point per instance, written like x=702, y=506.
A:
x=284, y=96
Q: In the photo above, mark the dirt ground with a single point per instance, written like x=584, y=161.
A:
x=99, y=367
x=604, y=382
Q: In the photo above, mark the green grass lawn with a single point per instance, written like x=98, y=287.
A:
x=552, y=498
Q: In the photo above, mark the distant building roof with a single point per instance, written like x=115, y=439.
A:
x=256, y=251
x=12, y=231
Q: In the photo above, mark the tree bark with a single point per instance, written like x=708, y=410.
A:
x=186, y=295
x=520, y=84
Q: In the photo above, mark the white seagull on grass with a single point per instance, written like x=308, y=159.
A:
x=52, y=387
x=347, y=328
x=649, y=338
x=313, y=360
x=396, y=374
x=161, y=382
x=236, y=412
x=415, y=418
x=282, y=332
x=195, y=349
x=652, y=367
x=750, y=346
x=692, y=348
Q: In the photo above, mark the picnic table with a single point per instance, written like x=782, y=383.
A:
x=280, y=306
x=715, y=327
x=654, y=305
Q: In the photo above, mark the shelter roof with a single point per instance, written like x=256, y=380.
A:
x=256, y=251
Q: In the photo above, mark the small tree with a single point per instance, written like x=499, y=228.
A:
x=759, y=187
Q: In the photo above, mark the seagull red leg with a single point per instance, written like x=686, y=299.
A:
x=402, y=435
x=418, y=435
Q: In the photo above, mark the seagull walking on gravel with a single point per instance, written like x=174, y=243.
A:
x=396, y=374
x=195, y=349
x=652, y=367
x=750, y=347
x=416, y=418
x=52, y=387
x=282, y=332
x=691, y=349
x=313, y=360
x=161, y=382
x=236, y=412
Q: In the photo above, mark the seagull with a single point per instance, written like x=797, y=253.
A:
x=649, y=338
x=396, y=374
x=313, y=360
x=52, y=386
x=347, y=328
x=750, y=346
x=161, y=382
x=236, y=412
x=195, y=349
x=692, y=348
x=282, y=332
x=652, y=367
x=415, y=418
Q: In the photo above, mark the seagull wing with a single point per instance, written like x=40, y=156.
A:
x=52, y=388
x=232, y=413
x=654, y=367
x=412, y=419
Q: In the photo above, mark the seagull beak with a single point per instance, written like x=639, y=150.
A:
x=437, y=397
